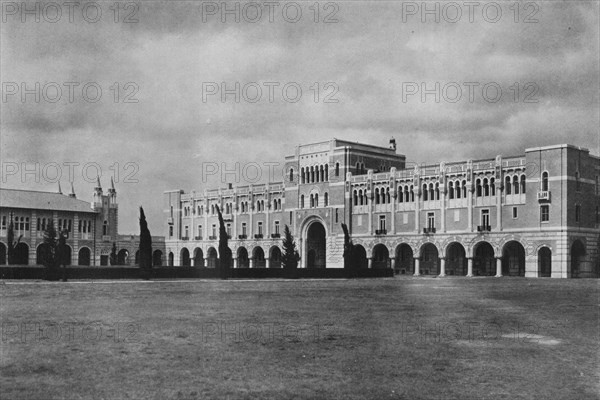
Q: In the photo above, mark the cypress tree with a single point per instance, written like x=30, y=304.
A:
x=224, y=250
x=145, y=256
x=290, y=255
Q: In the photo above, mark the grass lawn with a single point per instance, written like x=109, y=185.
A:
x=393, y=338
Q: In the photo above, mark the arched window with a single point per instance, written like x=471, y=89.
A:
x=326, y=200
x=377, y=196
x=457, y=190
x=326, y=172
x=431, y=192
x=486, y=187
x=522, y=183
x=464, y=189
x=360, y=195
x=105, y=228
x=507, y=185
x=322, y=173
x=400, y=194
x=492, y=186
x=515, y=184
x=478, y=188
x=291, y=174
x=279, y=204
x=545, y=181
x=302, y=175
x=424, y=192
x=387, y=195
x=302, y=201
x=337, y=169
x=312, y=201
x=407, y=194
x=316, y=199
x=317, y=174
x=357, y=168
x=355, y=195
x=366, y=197
x=312, y=174
x=450, y=190
x=362, y=168
x=412, y=193
x=437, y=191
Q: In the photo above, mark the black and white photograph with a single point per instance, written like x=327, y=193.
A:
x=299, y=199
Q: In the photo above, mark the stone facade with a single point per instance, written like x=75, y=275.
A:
x=92, y=227
x=529, y=215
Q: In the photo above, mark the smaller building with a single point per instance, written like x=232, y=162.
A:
x=92, y=228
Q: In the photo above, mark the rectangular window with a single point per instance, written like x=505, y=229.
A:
x=170, y=230
x=456, y=215
x=382, y=222
x=228, y=229
x=485, y=217
x=187, y=232
x=277, y=227
x=430, y=220
x=244, y=229
x=260, y=226
x=214, y=230
x=336, y=216
x=515, y=213
x=27, y=223
x=405, y=218
x=577, y=213
x=290, y=217
x=200, y=231
x=545, y=213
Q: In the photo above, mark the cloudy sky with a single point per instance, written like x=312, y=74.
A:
x=374, y=58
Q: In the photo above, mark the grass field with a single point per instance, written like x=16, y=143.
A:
x=394, y=338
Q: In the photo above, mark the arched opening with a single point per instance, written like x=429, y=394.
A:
x=544, y=262
x=198, y=257
x=275, y=257
x=361, y=256
x=577, y=258
x=157, y=258
x=123, y=257
x=513, y=259
x=315, y=241
x=404, y=259
x=2, y=254
x=381, y=256
x=430, y=260
x=84, y=256
x=456, y=260
x=211, y=257
x=242, y=258
x=258, y=258
x=184, y=258
x=21, y=254
x=483, y=260
x=41, y=252
x=171, y=259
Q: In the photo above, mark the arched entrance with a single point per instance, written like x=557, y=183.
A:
x=275, y=257
x=21, y=256
x=483, y=260
x=430, y=260
x=171, y=257
x=157, y=258
x=212, y=257
x=258, y=258
x=361, y=256
x=242, y=258
x=315, y=246
x=544, y=262
x=577, y=258
x=456, y=260
x=83, y=257
x=381, y=256
x=184, y=258
x=513, y=259
x=41, y=252
x=404, y=259
x=198, y=257
x=122, y=257
x=2, y=254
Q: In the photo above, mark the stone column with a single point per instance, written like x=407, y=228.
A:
x=235, y=263
x=442, y=266
x=250, y=263
x=370, y=260
x=206, y=262
x=417, y=267
x=498, y=267
x=470, y=266
x=267, y=262
x=393, y=262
